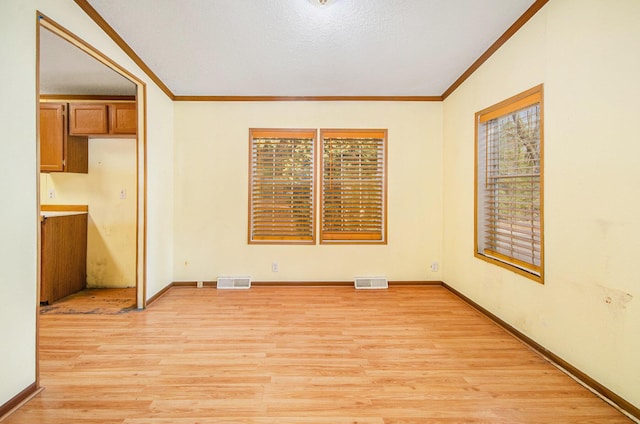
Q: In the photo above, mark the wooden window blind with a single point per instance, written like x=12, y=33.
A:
x=281, y=186
x=509, y=197
x=354, y=164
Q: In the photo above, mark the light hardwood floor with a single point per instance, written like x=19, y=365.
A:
x=94, y=301
x=328, y=355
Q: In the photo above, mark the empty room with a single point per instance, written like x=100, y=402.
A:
x=320, y=211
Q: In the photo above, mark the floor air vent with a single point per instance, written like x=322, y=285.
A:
x=371, y=283
x=234, y=283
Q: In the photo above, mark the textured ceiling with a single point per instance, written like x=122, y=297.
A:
x=65, y=69
x=298, y=48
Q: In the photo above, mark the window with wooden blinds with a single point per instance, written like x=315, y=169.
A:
x=509, y=184
x=353, y=186
x=281, y=186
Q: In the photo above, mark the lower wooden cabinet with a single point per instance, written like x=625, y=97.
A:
x=63, y=256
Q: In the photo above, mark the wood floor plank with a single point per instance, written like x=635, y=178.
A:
x=409, y=354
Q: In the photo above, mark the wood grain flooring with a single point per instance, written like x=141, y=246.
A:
x=94, y=301
x=326, y=355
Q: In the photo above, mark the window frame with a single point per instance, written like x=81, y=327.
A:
x=285, y=134
x=526, y=99
x=333, y=237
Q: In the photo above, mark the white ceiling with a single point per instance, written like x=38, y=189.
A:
x=65, y=69
x=298, y=48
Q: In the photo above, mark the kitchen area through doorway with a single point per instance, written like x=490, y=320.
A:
x=88, y=188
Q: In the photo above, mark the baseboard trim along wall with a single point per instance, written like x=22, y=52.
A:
x=160, y=293
x=582, y=378
x=15, y=402
x=573, y=372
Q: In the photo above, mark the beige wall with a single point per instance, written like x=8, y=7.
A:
x=588, y=311
x=18, y=215
x=211, y=142
x=111, y=233
x=159, y=192
x=584, y=51
x=19, y=179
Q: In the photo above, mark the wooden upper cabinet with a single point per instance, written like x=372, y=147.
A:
x=60, y=152
x=103, y=119
x=52, y=137
x=88, y=119
x=123, y=118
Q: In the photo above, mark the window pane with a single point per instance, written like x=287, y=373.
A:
x=353, y=186
x=509, y=191
x=281, y=194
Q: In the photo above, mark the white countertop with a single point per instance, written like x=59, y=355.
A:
x=50, y=214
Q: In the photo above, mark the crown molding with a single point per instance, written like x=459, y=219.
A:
x=307, y=98
x=99, y=20
x=519, y=23
x=523, y=19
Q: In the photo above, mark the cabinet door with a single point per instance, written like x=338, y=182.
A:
x=52, y=137
x=88, y=119
x=63, y=269
x=124, y=118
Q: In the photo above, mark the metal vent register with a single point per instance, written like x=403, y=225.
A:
x=234, y=283
x=371, y=283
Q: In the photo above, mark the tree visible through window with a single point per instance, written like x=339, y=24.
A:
x=509, y=184
x=353, y=186
x=281, y=186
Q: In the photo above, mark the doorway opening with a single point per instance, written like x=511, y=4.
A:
x=83, y=83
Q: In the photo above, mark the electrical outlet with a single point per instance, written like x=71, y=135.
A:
x=199, y=284
x=123, y=193
x=52, y=193
x=274, y=267
x=434, y=266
